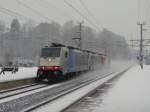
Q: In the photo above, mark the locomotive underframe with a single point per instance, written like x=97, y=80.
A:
x=49, y=74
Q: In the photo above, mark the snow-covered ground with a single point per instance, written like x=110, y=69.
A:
x=130, y=93
x=23, y=73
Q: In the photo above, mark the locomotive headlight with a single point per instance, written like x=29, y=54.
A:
x=50, y=59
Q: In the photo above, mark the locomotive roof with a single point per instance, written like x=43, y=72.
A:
x=99, y=53
x=53, y=44
x=57, y=45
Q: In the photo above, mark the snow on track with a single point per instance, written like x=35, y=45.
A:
x=28, y=93
x=67, y=100
x=129, y=93
x=20, y=90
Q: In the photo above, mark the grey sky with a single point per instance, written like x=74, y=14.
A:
x=119, y=16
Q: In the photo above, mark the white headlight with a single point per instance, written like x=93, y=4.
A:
x=50, y=59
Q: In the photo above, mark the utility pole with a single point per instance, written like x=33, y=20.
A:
x=141, y=44
x=80, y=34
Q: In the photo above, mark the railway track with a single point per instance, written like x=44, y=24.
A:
x=50, y=101
x=21, y=87
x=20, y=90
x=63, y=93
x=32, y=100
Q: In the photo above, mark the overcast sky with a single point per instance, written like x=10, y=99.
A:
x=119, y=16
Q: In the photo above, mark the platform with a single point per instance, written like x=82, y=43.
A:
x=128, y=93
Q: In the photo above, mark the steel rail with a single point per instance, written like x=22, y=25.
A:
x=73, y=89
x=63, y=93
x=17, y=91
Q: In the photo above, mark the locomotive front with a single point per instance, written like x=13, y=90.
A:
x=49, y=65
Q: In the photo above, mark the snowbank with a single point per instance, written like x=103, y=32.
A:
x=23, y=73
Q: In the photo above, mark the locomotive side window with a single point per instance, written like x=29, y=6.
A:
x=50, y=52
x=66, y=54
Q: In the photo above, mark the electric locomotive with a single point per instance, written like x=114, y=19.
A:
x=58, y=61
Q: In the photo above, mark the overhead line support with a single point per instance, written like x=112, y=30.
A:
x=141, y=44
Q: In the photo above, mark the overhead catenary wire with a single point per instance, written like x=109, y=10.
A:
x=3, y=12
x=83, y=16
x=61, y=12
x=15, y=14
x=33, y=10
x=12, y=13
x=90, y=13
x=7, y=13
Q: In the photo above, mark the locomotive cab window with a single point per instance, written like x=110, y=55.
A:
x=50, y=52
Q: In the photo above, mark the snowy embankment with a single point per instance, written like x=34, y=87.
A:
x=23, y=73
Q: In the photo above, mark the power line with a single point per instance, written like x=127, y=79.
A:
x=90, y=13
x=61, y=11
x=77, y=11
x=15, y=14
x=33, y=10
x=12, y=13
x=7, y=13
